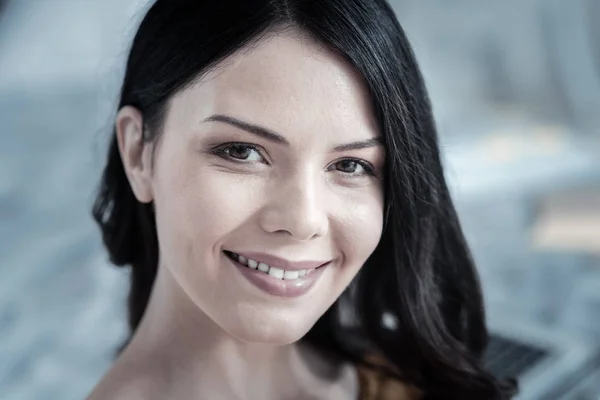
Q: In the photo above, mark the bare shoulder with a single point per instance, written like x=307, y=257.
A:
x=123, y=382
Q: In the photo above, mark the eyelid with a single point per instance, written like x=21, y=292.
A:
x=369, y=168
x=219, y=150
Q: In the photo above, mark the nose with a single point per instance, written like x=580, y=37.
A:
x=297, y=207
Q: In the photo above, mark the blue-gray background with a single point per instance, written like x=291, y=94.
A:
x=516, y=91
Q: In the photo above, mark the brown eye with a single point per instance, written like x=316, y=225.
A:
x=240, y=152
x=354, y=167
x=348, y=166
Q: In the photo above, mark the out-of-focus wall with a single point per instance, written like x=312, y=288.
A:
x=535, y=55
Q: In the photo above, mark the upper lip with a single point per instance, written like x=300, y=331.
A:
x=279, y=262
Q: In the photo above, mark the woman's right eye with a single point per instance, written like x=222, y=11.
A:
x=241, y=152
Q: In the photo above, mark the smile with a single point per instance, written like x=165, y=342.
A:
x=293, y=280
x=278, y=273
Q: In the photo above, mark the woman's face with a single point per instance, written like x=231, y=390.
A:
x=258, y=160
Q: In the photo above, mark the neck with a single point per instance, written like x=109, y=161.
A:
x=191, y=356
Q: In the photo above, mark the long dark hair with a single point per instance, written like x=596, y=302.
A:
x=421, y=272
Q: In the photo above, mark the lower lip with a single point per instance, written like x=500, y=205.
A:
x=278, y=287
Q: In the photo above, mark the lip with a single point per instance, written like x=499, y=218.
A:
x=281, y=263
x=277, y=287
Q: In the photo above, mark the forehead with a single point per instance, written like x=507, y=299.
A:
x=292, y=85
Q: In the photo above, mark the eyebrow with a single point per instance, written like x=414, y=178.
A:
x=277, y=138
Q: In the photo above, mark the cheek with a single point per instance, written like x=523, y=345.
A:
x=198, y=206
x=364, y=230
x=358, y=231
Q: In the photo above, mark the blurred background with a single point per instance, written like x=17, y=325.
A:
x=516, y=91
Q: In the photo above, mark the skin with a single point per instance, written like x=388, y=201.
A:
x=207, y=332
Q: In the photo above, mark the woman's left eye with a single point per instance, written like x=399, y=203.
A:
x=354, y=167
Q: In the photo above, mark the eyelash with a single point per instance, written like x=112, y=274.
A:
x=221, y=152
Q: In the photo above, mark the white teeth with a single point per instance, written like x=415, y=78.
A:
x=290, y=275
x=275, y=272
x=263, y=267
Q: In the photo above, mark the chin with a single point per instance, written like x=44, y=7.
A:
x=275, y=331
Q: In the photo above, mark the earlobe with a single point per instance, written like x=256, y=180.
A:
x=135, y=152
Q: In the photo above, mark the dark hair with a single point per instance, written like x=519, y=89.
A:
x=421, y=272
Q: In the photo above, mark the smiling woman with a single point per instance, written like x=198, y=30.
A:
x=274, y=168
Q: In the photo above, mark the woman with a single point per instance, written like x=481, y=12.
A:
x=275, y=185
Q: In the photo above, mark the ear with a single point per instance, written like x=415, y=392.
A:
x=135, y=153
